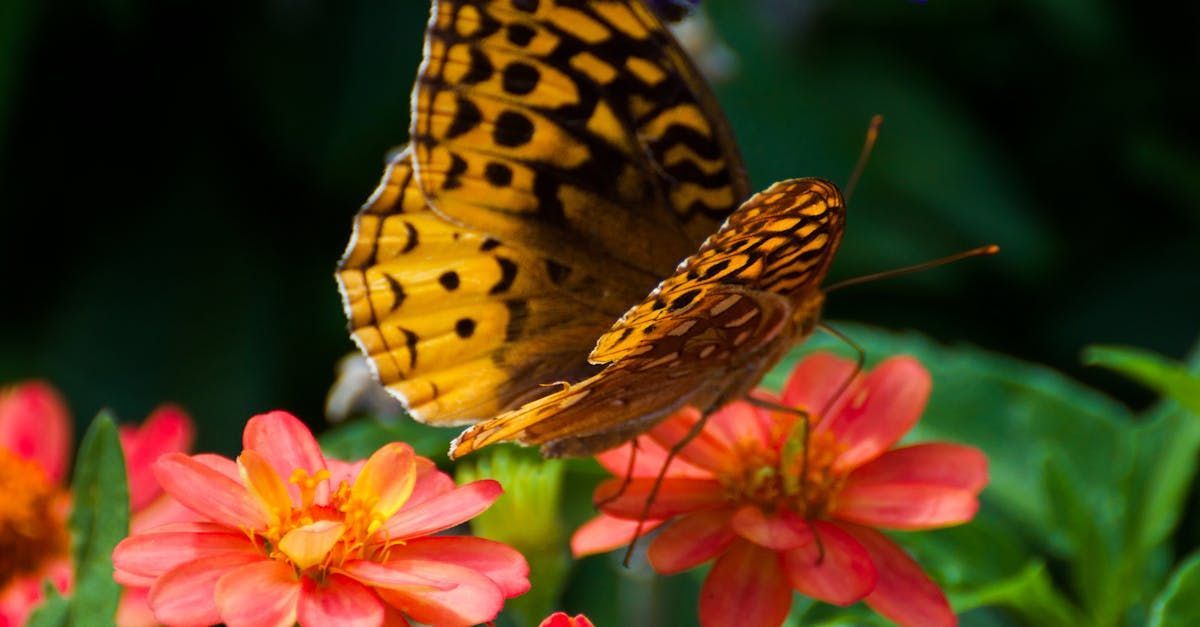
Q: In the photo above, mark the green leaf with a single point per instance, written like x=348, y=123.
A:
x=54, y=611
x=1178, y=605
x=1030, y=593
x=1168, y=377
x=359, y=438
x=99, y=520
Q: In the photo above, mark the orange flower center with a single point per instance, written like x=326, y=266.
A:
x=32, y=529
x=799, y=477
x=315, y=537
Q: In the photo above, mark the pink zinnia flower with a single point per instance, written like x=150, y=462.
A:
x=562, y=619
x=289, y=536
x=35, y=450
x=738, y=494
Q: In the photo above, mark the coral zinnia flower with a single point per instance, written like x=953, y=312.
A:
x=289, y=536
x=562, y=619
x=35, y=443
x=776, y=517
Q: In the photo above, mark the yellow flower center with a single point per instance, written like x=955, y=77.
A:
x=313, y=537
x=32, y=529
x=800, y=477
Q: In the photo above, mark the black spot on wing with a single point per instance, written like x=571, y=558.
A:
x=508, y=274
x=410, y=342
x=466, y=117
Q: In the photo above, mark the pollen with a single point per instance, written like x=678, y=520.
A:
x=32, y=530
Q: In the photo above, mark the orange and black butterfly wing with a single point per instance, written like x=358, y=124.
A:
x=703, y=337
x=576, y=128
x=691, y=362
x=455, y=323
x=565, y=156
x=782, y=241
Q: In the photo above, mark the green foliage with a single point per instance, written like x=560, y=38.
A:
x=1179, y=603
x=55, y=610
x=357, y=439
x=1167, y=377
x=527, y=517
x=99, y=520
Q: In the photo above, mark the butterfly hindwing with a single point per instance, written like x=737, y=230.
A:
x=692, y=361
x=704, y=336
x=781, y=240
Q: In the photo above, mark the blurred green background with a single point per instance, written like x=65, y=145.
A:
x=178, y=180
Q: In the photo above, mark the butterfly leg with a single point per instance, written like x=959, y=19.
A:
x=678, y=446
x=804, y=424
x=628, y=476
x=859, y=363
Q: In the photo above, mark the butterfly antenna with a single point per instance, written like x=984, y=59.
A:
x=982, y=251
x=679, y=446
x=863, y=157
x=628, y=477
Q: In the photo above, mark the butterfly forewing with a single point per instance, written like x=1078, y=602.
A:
x=565, y=155
x=704, y=336
x=454, y=322
x=575, y=127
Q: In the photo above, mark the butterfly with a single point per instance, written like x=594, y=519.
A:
x=565, y=155
x=703, y=337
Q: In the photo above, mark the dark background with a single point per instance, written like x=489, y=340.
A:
x=178, y=178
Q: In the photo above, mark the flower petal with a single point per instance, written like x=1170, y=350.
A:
x=475, y=599
x=778, y=531
x=691, y=541
x=815, y=380
x=431, y=482
x=208, y=492
x=903, y=592
x=379, y=575
x=161, y=511
x=265, y=483
x=153, y=554
x=675, y=496
x=444, y=511
x=386, y=480
x=936, y=463
x=35, y=424
x=262, y=594
x=223, y=465
x=133, y=610
x=742, y=426
x=339, y=601
x=707, y=449
x=167, y=430
x=905, y=506
x=837, y=569
x=498, y=562
x=309, y=545
x=289, y=445
x=746, y=587
x=562, y=619
x=876, y=413
x=647, y=462
x=185, y=594
x=606, y=533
